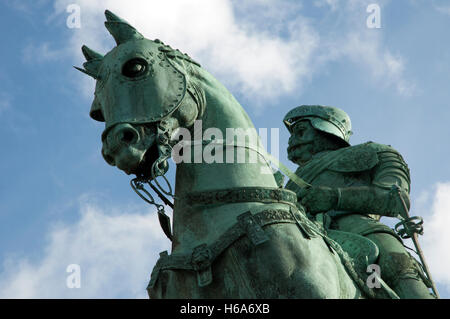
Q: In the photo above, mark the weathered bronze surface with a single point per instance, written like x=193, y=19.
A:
x=354, y=186
x=235, y=233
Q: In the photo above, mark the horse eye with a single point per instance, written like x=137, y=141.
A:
x=134, y=68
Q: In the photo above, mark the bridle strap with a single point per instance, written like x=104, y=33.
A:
x=241, y=194
x=261, y=151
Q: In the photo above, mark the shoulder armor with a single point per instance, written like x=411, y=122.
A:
x=391, y=162
x=379, y=147
x=386, y=153
x=356, y=158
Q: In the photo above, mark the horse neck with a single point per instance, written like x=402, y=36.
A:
x=194, y=224
x=223, y=112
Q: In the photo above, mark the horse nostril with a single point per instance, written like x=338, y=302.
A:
x=117, y=140
x=127, y=135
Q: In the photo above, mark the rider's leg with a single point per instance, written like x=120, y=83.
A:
x=398, y=269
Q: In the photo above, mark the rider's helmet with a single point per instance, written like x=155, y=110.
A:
x=327, y=119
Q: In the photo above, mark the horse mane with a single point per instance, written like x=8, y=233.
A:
x=173, y=53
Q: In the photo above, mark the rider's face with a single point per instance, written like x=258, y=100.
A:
x=301, y=142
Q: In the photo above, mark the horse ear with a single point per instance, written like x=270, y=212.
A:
x=90, y=54
x=121, y=30
x=94, y=59
x=92, y=66
x=90, y=73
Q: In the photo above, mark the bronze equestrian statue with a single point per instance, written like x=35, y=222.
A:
x=236, y=233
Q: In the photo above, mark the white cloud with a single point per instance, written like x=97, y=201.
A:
x=260, y=48
x=116, y=252
x=350, y=39
x=254, y=61
x=380, y=64
x=436, y=238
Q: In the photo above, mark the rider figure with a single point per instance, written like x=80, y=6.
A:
x=353, y=186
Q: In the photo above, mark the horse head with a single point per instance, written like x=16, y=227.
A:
x=143, y=93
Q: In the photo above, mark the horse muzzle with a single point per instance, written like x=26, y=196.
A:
x=126, y=145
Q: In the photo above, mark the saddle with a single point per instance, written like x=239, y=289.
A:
x=357, y=253
x=361, y=250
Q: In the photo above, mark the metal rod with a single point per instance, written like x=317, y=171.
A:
x=415, y=240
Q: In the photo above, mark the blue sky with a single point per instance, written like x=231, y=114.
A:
x=61, y=204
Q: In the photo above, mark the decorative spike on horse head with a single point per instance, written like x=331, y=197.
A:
x=140, y=63
x=236, y=234
x=121, y=30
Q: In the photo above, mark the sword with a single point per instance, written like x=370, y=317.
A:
x=292, y=176
x=415, y=239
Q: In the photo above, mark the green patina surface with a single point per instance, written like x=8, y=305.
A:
x=236, y=233
x=353, y=186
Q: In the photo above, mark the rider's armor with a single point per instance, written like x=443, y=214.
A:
x=370, y=166
x=366, y=177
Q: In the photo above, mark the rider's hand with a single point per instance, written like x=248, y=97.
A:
x=318, y=199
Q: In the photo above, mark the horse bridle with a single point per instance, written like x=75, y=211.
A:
x=164, y=132
x=159, y=169
x=160, y=166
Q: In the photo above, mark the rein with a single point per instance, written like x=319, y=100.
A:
x=263, y=194
x=138, y=183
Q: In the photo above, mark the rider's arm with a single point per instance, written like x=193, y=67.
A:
x=380, y=198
